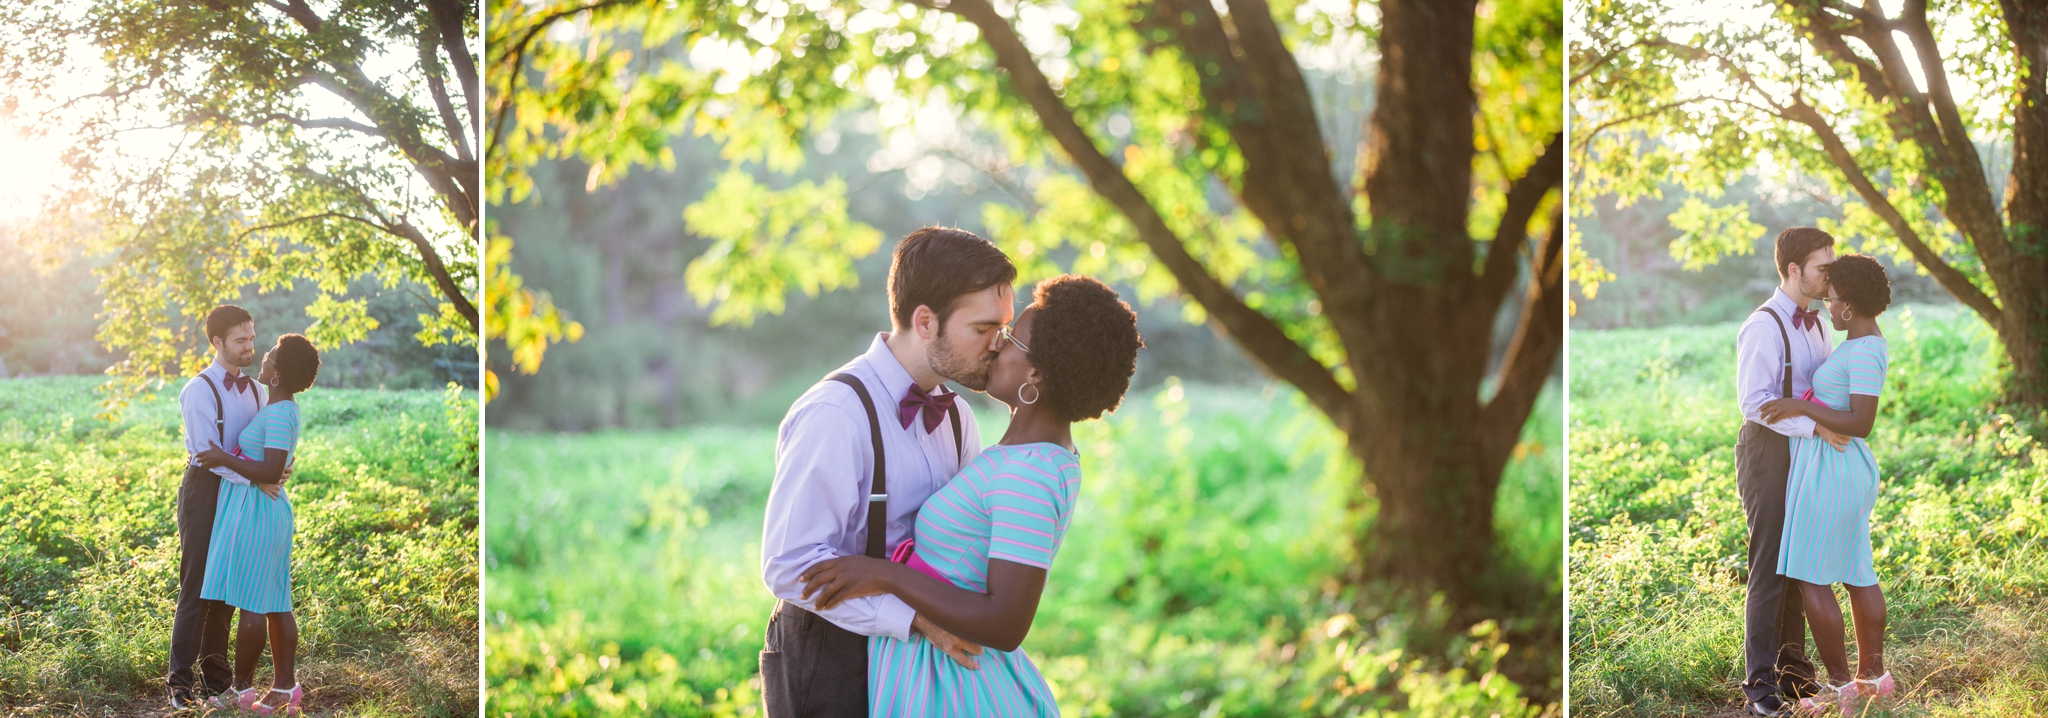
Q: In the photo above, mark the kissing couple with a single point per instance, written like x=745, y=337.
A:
x=1809, y=480
x=235, y=520
x=908, y=559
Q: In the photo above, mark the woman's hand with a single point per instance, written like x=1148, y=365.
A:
x=212, y=457
x=1777, y=410
x=835, y=580
x=272, y=490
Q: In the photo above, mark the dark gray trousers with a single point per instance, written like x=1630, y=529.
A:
x=1774, y=627
x=199, y=629
x=812, y=668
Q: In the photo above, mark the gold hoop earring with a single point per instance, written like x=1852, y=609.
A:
x=1035, y=394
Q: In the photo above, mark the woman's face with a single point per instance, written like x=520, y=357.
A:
x=268, y=375
x=1011, y=369
x=1838, y=311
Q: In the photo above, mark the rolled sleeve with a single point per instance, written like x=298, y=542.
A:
x=816, y=506
x=1759, y=376
x=195, y=406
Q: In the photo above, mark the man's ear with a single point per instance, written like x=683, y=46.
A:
x=924, y=322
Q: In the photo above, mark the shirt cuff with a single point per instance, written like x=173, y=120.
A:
x=893, y=617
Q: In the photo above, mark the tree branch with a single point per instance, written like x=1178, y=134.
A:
x=1525, y=195
x=1531, y=353
x=1950, y=278
x=430, y=63
x=244, y=234
x=1258, y=94
x=1258, y=334
x=449, y=16
x=438, y=269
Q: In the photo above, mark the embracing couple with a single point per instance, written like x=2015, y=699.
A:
x=235, y=521
x=1808, y=481
x=909, y=560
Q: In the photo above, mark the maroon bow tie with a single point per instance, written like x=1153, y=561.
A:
x=1803, y=318
x=240, y=382
x=934, y=406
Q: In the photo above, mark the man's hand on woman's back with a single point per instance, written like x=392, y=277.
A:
x=961, y=650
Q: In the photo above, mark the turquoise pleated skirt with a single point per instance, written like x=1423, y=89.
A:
x=249, y=563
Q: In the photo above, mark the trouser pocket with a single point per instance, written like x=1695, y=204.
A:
x=775, y=698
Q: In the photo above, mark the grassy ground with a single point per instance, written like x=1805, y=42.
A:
x=384, y=559
x=1657, y=533
x=624, y=571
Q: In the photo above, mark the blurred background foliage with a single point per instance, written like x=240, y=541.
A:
x=49, y=320
x=615, y=258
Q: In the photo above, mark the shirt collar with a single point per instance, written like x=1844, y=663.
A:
x=219, y=371
x=895, y=379
x=1784, y=303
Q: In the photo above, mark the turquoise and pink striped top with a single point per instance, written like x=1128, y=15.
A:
x=275, y=427
x=1011, y=502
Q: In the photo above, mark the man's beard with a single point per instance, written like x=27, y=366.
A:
x=967, y=373
x=244, y=360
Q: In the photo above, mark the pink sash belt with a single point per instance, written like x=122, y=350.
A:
x=906, y=554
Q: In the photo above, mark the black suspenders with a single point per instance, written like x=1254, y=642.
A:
x=220, y=414
x=878, y=494
x=1785, y=393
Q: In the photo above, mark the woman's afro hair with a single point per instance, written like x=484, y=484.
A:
x=1085, y=341
x=297, y=362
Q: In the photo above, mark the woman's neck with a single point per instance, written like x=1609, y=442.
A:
x=278, y=395
x=1861, y=327
x=1031, y=424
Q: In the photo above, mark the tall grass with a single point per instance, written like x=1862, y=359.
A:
x=384, y=558
x=1658, y=546
x=1196, y=578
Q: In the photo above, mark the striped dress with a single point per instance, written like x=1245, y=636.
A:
x=249, y=562
x=1011, y=502
x=1829, y=494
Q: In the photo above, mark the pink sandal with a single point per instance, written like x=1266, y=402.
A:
x=291, y=708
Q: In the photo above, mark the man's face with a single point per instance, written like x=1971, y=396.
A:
x=966, y=343
x=1813, y=273
x=238, y=347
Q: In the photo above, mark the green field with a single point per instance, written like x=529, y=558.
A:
x=1196, y=579
x=384, y=559
x=1657, y=533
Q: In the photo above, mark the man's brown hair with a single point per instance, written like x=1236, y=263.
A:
x=223, y=318
x=1796, y=243
x=935, y=266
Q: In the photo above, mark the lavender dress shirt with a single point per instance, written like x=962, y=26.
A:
x=824, y=461
x=1759, y=362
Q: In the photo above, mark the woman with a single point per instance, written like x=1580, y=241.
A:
x=983, y=542
x=1830, y=492
x=248, y=564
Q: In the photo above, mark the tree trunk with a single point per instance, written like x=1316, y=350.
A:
x=2023, y=329
x=1434, y=529
x=2024, y=326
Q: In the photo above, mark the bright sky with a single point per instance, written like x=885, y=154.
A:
x=28, y=171
x=32, y=169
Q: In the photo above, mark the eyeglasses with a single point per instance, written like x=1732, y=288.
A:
x=1013, y=340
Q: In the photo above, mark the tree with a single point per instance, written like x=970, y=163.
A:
x=1184, y=137
x=1899, y=112
x=280, y=141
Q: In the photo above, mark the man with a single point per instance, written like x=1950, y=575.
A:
x=1776, y=352
x=217, y=404
x=949, y=299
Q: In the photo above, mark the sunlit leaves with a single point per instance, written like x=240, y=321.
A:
x=1712, y=232
x=525, y=320
x=769, y=242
